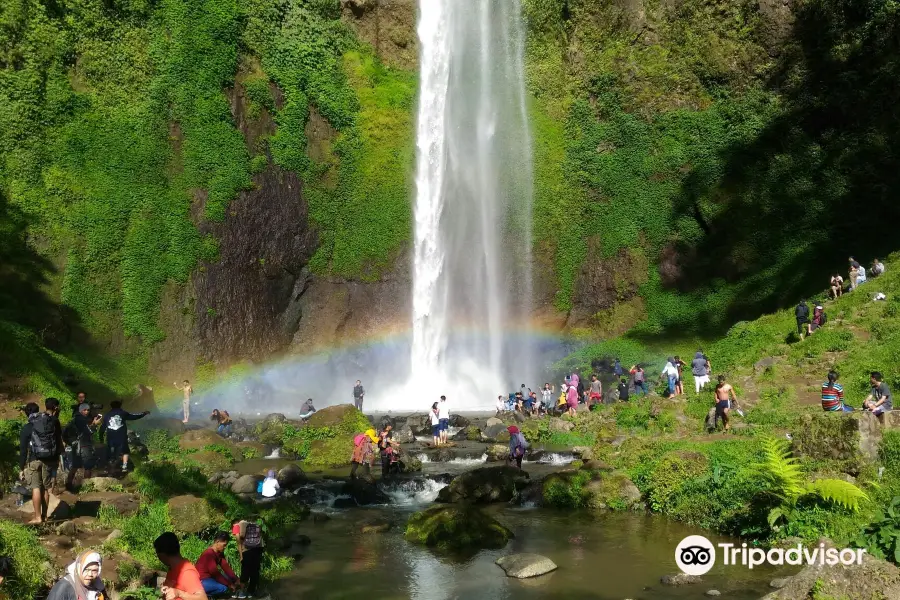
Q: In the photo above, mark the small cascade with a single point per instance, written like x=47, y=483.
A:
x=470, y=461
x=413, y=492
x=276, y=453
x=554, y=459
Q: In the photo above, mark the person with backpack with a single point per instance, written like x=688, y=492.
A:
x=115, y=429
x=801, y=313
x=250, y=549
x=40, y=442
x=818, y=320
x=623, y=390
x=364, y=450
x=517, y=445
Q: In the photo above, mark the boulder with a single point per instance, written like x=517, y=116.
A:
x=101, y=484
x=409, y=463
x=495, y=432
x=873, y=578
x=246, y=484
x=458, y=421
x=713, y=593
x=190, y=514
x=458, y=527
x=596, y=465
x=404, y=435
x=525, y=565
x=612, y=490
x=558, y=425
x=249, y=450
x=333, y=416
x=583, y=452
x=270, y=431
x=274, y=418
x=493, y=421
x=208, y=461
x=320, y=517
x=364, y=492
x=123, y=503
x=113, y=536
x=679, y=579
x=485, y=485
x=419, y=424
x=290, y=477
x=198, y=439
x=67, y=528
x=498, y=452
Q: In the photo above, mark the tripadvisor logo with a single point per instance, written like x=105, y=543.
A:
x=696, y=555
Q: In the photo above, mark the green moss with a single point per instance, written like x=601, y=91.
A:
x=457, y=527
x=565, y=489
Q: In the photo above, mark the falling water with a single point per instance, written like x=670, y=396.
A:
x=472, y=270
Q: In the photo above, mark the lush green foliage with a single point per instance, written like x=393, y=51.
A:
x=29, y=557
x=881, y=537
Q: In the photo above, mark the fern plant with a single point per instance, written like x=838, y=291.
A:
x=783, y=479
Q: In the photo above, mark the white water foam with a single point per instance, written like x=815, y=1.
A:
x=276, y=453
x=415, y=492
x=469, y=461
x=554, y=459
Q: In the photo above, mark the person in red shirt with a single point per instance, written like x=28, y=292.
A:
x=182, y=580
x=216, y=575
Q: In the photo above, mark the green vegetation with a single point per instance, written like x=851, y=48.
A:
x=460, y=527
x=327, y=440
x=29, y=575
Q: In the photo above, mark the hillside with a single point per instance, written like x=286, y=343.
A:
x=195, y=185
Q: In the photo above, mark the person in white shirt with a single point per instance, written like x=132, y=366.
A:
x=270, y=485
x=501, y=405
x=671, y=372
x=435, y=424
x=444, y=419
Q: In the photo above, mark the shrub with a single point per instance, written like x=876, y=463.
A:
x=28, y=556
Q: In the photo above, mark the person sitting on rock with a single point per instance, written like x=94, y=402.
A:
x=222, y=420
x=182, y=579
x=216, y=575
x=837, y=286
x=880, y=399
x=833, y=395
x=82, y=580
x=877, y=268
x=517, y=445
x=364, y=449
x=270, y=487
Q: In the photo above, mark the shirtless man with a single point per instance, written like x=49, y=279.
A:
x=186, y=403
x=724, y=396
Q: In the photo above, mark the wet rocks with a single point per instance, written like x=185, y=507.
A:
x=67, y=528
x=679, y=579
x=779, y=582
x=525, y=565
x=458, y=527
x=495, y=431
x=246, y=484
x=612, y=491
x=291, y=476
x=375, y=526
x=404, y=435
x=458, y=421
x=224, y=479
x=364, y=492
x=498, y=452
x=190, y=514
x=410, y=464
x=419, y=424
x=712, y=593
x=485, y=485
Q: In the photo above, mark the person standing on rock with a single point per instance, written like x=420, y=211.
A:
x=517, y=445
x=435, y=424
x=115, y=429
x=596, y=393
x=186, y=402
x=364, y=452
x=444, y=419
x=358, y=395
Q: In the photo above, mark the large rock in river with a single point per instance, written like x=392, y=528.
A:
x=246, y=484
x=525, y=565
x=485, y=485
x=364, y=492
x=495, y=431
x=456, y=528
x=291, y=476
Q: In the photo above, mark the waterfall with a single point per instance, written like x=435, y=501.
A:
x=472, y=265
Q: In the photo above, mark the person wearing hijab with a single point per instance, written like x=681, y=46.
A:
x=82, y=580
x=517, y=445
x=270, y=485
x=363, y=452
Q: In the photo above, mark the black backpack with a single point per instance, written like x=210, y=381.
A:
x=802, y=311
x=43, y=436
x=823, y=318
x=253, y=536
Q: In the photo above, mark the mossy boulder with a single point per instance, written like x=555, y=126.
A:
x=613, y=491
x=190, y=514
x=473, y=433
x=270, y=432
x=485, y=485
x=342, y=416
x=329, y=453
x=849, y=439
x=410, y=463
x=249, y=450
x=208, y=461
x=198, y=439
x=457, y=527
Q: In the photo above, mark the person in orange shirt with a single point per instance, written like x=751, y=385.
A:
x=182, y=579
